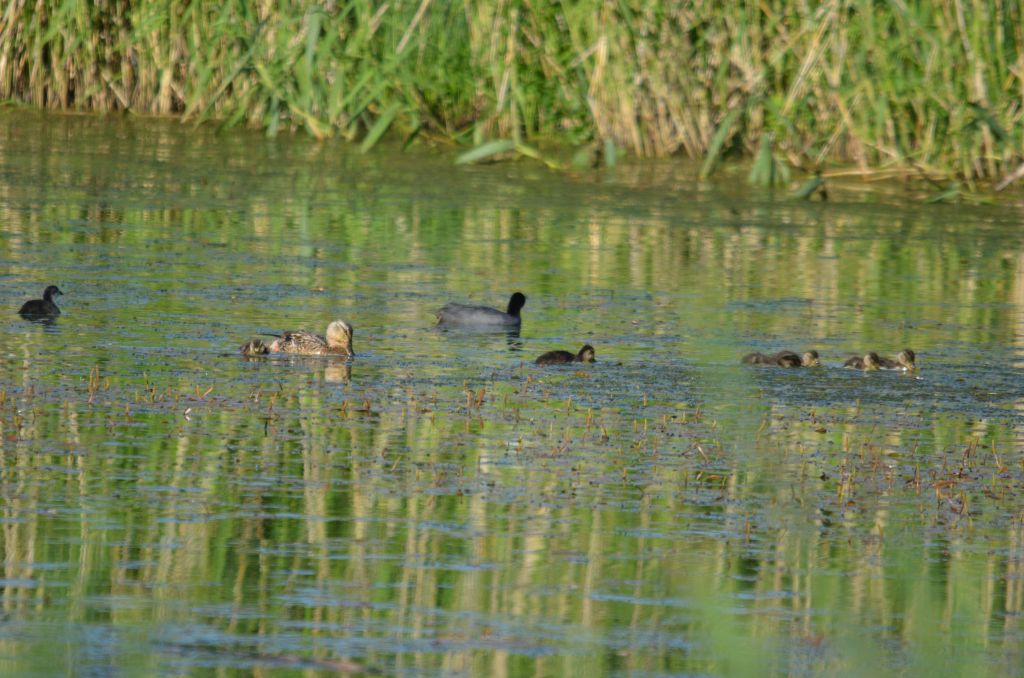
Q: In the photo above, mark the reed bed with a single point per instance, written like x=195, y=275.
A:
x=930, y=88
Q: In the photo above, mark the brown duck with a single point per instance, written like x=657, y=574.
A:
x=784, y=359
x=903, y=361
x=299, y=342
x=585, y=355
x=870, y=361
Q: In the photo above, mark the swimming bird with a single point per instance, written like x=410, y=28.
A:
x=464, y=315
x=903, y=361
x=254, y=347
x=300, y=342
x=783, y=359
x=871, y=361
x=585, y=355
x=39, y=308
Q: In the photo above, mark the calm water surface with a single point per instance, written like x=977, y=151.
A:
x=440, y=506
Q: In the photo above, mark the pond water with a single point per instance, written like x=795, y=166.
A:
x=440, y=506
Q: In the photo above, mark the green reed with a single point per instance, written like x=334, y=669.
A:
x=932, y=89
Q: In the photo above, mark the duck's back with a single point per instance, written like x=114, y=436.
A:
x=453, y=314
x=302, y=342
x=556, y=358
x=786, y=359
x=756, y=359
x=40, y=307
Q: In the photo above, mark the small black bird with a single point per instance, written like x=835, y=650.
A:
x=42, y=308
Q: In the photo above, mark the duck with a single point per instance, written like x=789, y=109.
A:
x=299, y=342
x=870, y=361
x=254, y=347
x=783, y=359
x=44, y=307
x=585, y=355
x=903, y=361
x=464, y=315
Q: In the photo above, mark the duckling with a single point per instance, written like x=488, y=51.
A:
x=871, y=361
x=42, y=308
x=810, y=359
x=300, y=342
x=586, y=355
x=463, y=315
x=254, y=347
x=783, y=359
x=904, y=361
x=757, y=359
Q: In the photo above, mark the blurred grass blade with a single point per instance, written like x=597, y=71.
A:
x=949, y=194
x=412, y=136
x=610, y=153
x=380, y=127
x=486, y=151
x=997, y=130
x=717, y=144
x=808, y=188
x=531, y=152
x=761, y=171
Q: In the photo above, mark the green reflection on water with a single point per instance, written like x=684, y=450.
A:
x=442, y=506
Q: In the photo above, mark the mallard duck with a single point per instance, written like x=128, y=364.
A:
x=42, y=307
x=783, y=359
x=463, y=315
x=254, y=347
x=300, y=342
x=903, y=361
x=585, y=355
x=871, y=361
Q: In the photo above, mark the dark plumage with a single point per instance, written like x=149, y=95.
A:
x=585, y=355
x=903, y=361
x=300, y=342
x=871, y=361
x=42, y=308
x=464, y=315
x=783, y=359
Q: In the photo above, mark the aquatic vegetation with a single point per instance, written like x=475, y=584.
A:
x=442, y=505
x=913, y=89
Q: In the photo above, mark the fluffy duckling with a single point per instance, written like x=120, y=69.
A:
x=300, y=342
x=904, y=361
x=254, y=347
x=783, y=359
x=42, y=308
x=810, y=359
x=463, y=315
x=585, y=355
x=871, y=361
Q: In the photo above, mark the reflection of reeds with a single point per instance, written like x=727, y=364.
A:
x=928, y=87
x=382, y=515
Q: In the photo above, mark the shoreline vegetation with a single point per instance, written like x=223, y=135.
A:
x=916, y=89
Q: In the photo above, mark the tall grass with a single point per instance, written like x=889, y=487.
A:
x=931, y=88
